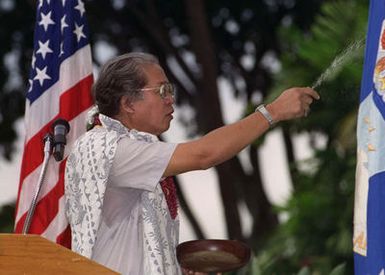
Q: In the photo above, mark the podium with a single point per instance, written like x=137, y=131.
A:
x=32, y=254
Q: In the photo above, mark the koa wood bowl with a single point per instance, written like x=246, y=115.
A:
x=213, y=255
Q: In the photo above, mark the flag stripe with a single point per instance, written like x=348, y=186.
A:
x=47, y=207
x=64, y=238
x=30, y=182
x=33, y=152
x=77, y=98
x=58, y=224
x=29, y=186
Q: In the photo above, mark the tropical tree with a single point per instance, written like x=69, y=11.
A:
x=318, y=231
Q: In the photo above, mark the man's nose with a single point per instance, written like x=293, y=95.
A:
x=169, y=99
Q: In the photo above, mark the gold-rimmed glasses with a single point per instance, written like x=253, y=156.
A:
x=165, y=90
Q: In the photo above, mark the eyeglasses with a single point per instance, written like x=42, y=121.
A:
x=165, y=90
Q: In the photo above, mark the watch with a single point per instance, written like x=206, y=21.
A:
x=262, y=109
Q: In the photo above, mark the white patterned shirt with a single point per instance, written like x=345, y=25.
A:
x=116, y=207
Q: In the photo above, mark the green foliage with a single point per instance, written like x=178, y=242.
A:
x=307, y=57
x=339, y=270
x=7, y=218
x=316, y=237
x=318, y=231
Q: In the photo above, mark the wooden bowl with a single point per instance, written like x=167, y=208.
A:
x=212, y=255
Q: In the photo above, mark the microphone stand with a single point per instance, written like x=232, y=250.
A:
x=47, y=152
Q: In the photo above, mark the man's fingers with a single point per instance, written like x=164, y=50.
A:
x=312, y=93
x=308, y=100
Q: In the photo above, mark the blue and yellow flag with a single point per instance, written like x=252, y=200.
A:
x=369, y=212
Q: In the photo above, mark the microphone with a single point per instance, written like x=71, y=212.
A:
x=60, y=129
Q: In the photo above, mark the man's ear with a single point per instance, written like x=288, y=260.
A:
x=126, y=104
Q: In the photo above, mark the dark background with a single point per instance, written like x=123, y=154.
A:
x=259, y=48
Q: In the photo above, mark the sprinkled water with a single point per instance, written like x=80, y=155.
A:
x=339, y=61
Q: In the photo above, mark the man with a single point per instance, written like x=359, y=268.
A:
x=120, y=200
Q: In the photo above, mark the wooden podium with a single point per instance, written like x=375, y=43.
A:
x=32, y=254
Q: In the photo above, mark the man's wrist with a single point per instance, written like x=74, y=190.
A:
x=266, y=114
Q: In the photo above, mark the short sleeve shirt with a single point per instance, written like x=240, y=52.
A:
x=136, y=233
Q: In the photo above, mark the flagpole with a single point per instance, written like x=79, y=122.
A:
x=48, y=140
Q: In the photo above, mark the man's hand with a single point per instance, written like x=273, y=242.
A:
x=292, y=103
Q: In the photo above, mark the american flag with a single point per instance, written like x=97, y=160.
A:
x=59, y=86
x=369, y=218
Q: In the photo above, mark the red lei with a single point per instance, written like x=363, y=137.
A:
x=169, y=191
